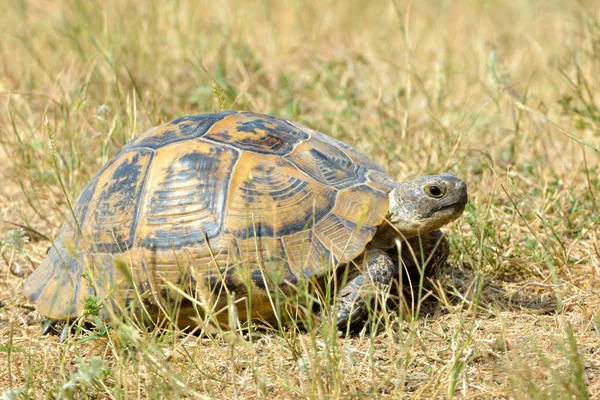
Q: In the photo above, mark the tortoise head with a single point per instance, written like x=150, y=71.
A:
x=427, y=203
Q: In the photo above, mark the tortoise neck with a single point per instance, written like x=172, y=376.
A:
x=386, y=236
x=394, y=227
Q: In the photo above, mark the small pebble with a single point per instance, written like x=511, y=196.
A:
x=16, y=269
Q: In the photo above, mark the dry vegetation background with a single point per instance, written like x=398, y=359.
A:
x=504, y=94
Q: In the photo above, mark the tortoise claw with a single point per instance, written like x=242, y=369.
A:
x=48, y=325
x=55, y=327
x=342, y=319
x=350, y=313
x=64, y=333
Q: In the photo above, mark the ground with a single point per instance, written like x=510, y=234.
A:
x=503, y=94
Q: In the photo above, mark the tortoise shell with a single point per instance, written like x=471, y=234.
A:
x=235, y=198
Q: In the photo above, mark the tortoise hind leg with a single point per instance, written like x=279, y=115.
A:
x=362, y=286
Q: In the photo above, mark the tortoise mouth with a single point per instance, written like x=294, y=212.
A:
x=456, y=205
x=445, y=209
x=451, y=207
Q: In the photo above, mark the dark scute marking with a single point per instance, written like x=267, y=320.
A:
x=270, y=141
x=168, y=239
x=185, y=128
x=285, y=189
x=290, y=278
x=259, y=229
x=124, y=180
x=124, y=185
x=354, y=154
x=339, y=172
x=310, y=217
x=189, y=164
x=81, y=209
x=289, y=192
x=83, y=201
x=120, y=244
x=303, y=222
x=274, y=126
x=202, y=117
x=192, y=166
x=287, y=279
x=227, y=277
x=271, y=135
x=257, y=278
x=116, y=157
x=374, y=192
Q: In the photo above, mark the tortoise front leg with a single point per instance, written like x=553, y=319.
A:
x=363, y=283
x=422, y=255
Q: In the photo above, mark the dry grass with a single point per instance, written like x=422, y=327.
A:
x=504, y=94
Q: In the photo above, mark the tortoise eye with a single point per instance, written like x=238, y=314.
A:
x=436, y=191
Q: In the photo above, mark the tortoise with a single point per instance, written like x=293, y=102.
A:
x=233, y=209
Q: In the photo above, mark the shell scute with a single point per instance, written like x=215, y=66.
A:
x=186, y=194
x=112, y=214
x=270, y=198
x=186, y=128
x=362, y=205
x=344, y=238
x=356, y=156
x=380, y=181
x=57, y=285
x=257, y=133
x=327, y=164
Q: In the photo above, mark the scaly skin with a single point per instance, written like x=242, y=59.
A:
x=354, y=299
x=418, y=209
